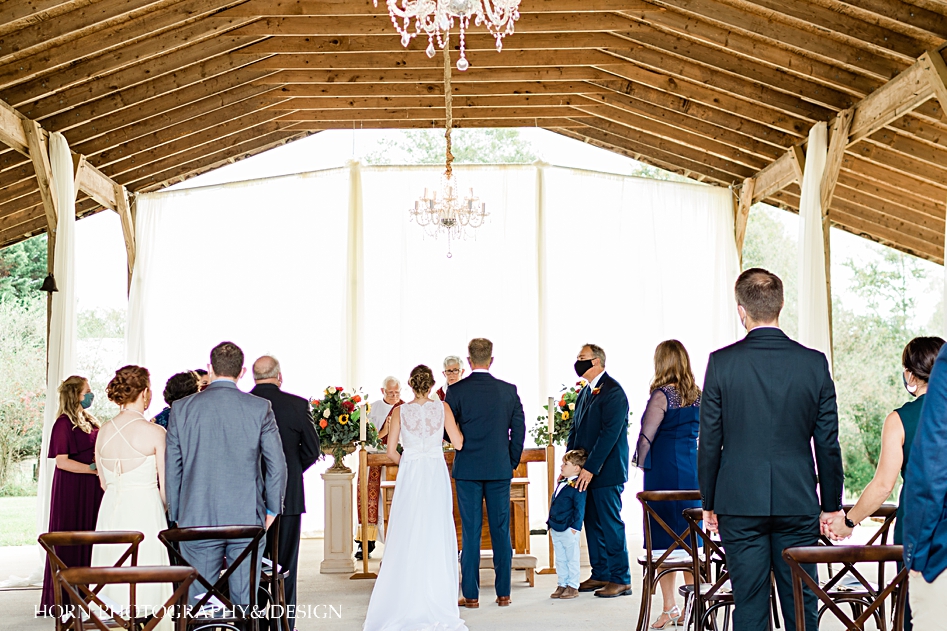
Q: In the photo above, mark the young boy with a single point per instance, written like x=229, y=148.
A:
x=565, y=521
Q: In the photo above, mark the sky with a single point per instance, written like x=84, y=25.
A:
x=101, y=278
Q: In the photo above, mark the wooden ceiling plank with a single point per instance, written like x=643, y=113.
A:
x=886, y=194
x=167, y=110
x=698, y=140
x=210, y=161
x=905, y=12
x=885, y=233
x=459, y=89
x=110, y=94
x=902, y=94
x=38, y=76
x=10, y=194
x=417, y=60
x=881, y=155
x=432, y=114
x=16, y=14
x=882, y=174
x=272, y=8
x=434, y=101
x=432, y=75
x=74, y=25
x=900, y=211
x=735, y=14
x=465, y=123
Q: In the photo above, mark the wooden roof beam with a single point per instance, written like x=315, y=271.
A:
x=275, y=8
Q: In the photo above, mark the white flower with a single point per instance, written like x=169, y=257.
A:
x=326, y=413
x=330, y=390
x=572, y=406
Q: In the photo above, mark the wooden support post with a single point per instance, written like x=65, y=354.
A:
x=128, y=229
x=38, y=147
x=798, y=162
x=743, y=214
x=936, y=70
x=363, y=506
x=838, y=142
x=550, y=481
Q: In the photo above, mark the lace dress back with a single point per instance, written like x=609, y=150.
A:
x=422, y=428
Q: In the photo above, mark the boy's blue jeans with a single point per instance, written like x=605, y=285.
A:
x=566, y=545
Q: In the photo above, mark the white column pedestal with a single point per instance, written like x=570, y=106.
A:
x=337, y=554
x=584, y=551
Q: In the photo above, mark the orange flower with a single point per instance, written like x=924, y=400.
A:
x=357, y=398
x=323, y=423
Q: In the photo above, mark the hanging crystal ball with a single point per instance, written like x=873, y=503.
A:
x=462, y=64
x=462, y=8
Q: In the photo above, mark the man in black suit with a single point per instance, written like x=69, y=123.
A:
x=490, y=416
x=301, y=446
x=600, y=427
x=767, y=402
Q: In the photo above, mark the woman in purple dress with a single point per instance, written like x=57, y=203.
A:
x=76, y=495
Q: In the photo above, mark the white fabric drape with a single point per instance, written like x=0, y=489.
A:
x=148, y=215
x=268, y=265
x=813, y=297
x=61, y=350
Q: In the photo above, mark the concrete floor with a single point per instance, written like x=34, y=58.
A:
x=341, y=603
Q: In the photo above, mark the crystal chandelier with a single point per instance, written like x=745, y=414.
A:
x=436, y=18
x=451, y=213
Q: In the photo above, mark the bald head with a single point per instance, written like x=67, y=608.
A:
x=267, y=370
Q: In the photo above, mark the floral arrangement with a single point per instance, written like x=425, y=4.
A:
x=565, y=410
x=337, y=418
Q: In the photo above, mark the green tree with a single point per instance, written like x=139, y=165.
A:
x=23, y=268
x=469, y=146
x=768, y=244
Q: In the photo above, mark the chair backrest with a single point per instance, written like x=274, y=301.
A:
x=51, y=540
x=76, y=583
x=705, y=554
x=174, y=536
x=679, y=540
x=848, y=555
x=887, y=513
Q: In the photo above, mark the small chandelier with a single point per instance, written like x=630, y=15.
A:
x=436, y=18
x=451, y=213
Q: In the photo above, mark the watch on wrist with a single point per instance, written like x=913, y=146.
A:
x=849, y=523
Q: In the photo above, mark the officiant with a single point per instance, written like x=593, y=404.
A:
x=453, y=372
x=380, y=411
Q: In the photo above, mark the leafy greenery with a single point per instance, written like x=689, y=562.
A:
x=17, y=521
x=469, y=146
x=22, y=269
x=562, y=425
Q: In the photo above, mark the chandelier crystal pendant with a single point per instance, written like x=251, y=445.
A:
x=436, y=18
x=445, y=210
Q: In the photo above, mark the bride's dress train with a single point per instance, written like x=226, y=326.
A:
x=416, y=588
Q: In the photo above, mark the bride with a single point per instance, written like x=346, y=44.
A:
x=129, y=456
x=416, y=588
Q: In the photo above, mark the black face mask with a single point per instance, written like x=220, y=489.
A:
x=582, y=366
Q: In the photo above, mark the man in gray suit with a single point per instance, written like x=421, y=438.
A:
x=216, y=442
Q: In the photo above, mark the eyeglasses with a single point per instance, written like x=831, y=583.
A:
x=452, y=371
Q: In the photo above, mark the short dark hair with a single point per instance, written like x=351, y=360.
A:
x=227, y=360
x=919, y=355
x=576, y=457
x=200, y=372
x=760, y=292
x=181, y=385
x=480, y=350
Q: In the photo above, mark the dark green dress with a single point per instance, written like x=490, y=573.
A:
x=910, y=414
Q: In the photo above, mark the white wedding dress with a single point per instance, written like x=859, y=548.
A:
x=417, y=586
x=132, y=501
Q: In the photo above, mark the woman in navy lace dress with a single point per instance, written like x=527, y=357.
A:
x=667, y=452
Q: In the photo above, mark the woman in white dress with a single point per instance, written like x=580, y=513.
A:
x=129, y=456
x=416, y=589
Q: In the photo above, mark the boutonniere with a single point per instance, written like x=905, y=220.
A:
x=595, y=391
x=568, y=482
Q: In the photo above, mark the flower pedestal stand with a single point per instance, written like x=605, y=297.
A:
x=337, y=553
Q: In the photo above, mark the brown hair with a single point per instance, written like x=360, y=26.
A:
x=480, y=351
x=127, y=384
x=919, y=355
x=761, y=293
x=672, y=367
x=70, y=404
x=421, y=380
x=576, y=457
x=227, y=360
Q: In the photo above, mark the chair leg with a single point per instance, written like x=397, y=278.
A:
x=645, y=612
x=530, y=576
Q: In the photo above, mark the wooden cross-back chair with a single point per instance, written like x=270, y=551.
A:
x=849, y=585
x=709, y=563
x=233, y=618
x=849, y=555
x=51, y=540
x=667, y=562
x=273, y=580
x=77, y=582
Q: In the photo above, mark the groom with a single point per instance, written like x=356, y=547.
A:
x=490, y=416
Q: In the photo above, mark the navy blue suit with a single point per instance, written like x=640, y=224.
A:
x=567, y=509
x=490, y=416
x=601, y=428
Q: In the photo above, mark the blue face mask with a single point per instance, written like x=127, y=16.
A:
x=87, y=400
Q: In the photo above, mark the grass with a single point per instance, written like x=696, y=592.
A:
x=17, y=521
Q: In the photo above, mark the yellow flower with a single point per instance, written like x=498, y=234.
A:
x=368, y=408
x=344, y=419
x=565, y=416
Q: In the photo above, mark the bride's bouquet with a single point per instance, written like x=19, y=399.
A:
x=564, y=411
x=337, y=416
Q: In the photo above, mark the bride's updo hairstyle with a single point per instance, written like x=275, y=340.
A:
x=127, y=384
x=422, y=380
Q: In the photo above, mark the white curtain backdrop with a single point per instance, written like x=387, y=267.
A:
x=61, y=350
x=813, y=298
x=268, y=264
